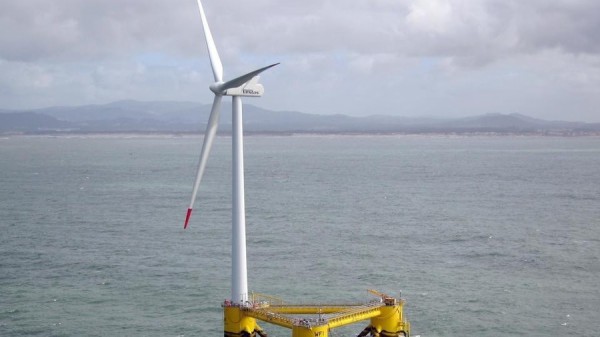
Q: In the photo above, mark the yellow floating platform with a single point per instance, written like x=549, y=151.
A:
x=385, y=315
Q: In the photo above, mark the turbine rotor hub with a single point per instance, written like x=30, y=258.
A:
x=217, y=88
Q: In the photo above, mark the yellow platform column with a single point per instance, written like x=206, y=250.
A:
x=237, y=324
x=315, y=331
x=391, y=322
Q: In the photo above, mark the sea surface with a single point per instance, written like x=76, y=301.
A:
x=480, y=235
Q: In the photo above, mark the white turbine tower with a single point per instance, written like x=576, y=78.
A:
x=245, y=85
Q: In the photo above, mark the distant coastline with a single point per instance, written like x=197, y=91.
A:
x=133, y=117
x=167, y=134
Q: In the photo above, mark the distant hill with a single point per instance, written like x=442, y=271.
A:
x=162, y=116
x=27, y=121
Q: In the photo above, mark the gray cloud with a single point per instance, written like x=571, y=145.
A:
x=68, y=30
x=441, y=54
x=35, y=29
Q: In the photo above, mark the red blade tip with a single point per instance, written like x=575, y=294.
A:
x=187, y=218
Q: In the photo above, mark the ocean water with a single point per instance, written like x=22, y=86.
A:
x=482, y=236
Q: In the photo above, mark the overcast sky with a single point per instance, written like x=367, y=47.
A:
x=444, y=58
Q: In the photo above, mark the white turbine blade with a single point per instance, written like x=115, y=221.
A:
x=236, y=82
x=209, y=136
x=215, y=60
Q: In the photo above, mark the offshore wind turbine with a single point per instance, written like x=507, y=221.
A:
x=245, y=85
x=240, y=313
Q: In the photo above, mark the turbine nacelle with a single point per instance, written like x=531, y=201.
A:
x=249, y=89
x=245, y=85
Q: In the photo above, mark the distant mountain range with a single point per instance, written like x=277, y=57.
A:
x=183, y=117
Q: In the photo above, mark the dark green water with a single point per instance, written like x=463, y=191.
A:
x=484, y=236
